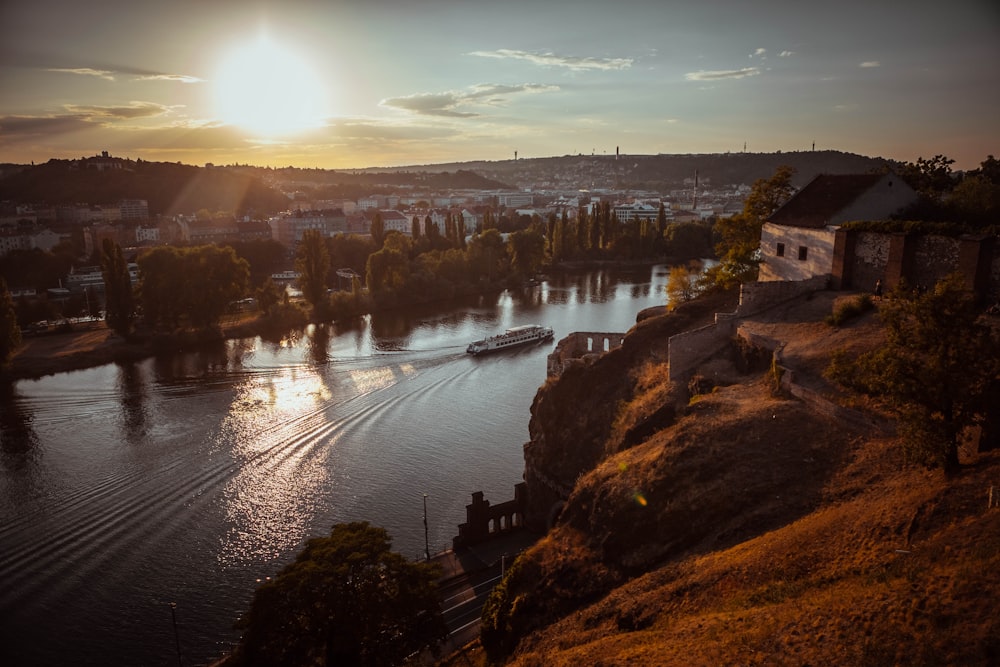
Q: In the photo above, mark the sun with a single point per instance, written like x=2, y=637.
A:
x=268, y=90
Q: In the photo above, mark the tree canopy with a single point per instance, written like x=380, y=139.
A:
x=119, y=300
x=313, y=265
x=10, y=333
x=192, y=286
x=934, y=370
x=739, y=246
x=346, y=600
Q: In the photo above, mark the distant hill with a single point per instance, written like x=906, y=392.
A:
x=177, y=188
x=171, y=188
x=665, y=172
x=168, y=187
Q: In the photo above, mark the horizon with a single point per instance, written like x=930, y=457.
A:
x=392, y=84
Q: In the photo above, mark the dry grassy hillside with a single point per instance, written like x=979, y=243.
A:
x=756, y=530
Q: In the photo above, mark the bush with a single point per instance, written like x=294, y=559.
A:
x=849, y=310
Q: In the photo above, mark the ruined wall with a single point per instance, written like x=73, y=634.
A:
x=483, y=521
x=577, y=347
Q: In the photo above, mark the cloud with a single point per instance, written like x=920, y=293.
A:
x=182, y=78
x=715, y=75
x=549, y=59
x=759, y=53
x=85, y=71
x=129, y=112
x=15, y=127
x=786, y=54
x=447, y=104
x=137, y=74
x=870, y=63
x=78, y=118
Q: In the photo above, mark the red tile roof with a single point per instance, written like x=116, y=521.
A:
x=822, y=198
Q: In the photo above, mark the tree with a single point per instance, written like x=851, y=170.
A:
x=930, y=177
x=934, y=370
x=346, y=600
x=10, y=333
x=377, y=230
x=194, y=284
x=268, y=296
x=681, y=286
x=119, y=303
x=313, y=265
x=215, y=278
x=739, y=247
x=527, y=251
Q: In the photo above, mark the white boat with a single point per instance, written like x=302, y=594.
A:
x=528, y=333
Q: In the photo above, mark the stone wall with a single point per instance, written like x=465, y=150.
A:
x=580, y=346
x=862, y=258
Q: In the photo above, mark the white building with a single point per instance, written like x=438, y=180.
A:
x=797, y=242
x=515, y=199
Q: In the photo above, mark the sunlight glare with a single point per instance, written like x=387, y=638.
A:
x=267, y=89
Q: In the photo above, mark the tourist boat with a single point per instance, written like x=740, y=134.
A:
x=528, y=333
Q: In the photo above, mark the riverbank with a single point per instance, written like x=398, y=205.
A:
x=91, y=345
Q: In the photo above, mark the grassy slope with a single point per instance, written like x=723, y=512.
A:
x=756, y=531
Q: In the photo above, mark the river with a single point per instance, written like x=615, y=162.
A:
x=188, y=479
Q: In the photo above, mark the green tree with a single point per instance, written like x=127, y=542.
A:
x=268, y=296
x=387, y=271
x=934, y=370
x=527, y=252
x=313, y=265
x=346, y=600
x=930, y=177
x=10, y=332
x=190, y=285
x=739, y=247
x=681, y=286
x=487, y=256
x=377, y=230
x=119, y=303
x=415, y=227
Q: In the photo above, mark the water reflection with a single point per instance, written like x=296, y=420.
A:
x=279, y=435
x=132, y=391
x=19, y=446
x=318, y=343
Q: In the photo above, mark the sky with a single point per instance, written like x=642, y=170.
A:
x=344, y=84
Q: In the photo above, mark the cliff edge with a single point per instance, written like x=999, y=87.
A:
x=728, y=521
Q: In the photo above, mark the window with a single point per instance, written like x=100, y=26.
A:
x=803, y=253
x=780, y=250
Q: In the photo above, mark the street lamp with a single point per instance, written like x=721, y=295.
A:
x=177, y=638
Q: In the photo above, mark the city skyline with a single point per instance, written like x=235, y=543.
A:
x=390, y=83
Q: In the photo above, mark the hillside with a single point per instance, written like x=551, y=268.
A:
x=167, y=187
x=749, y=527
x=665, y=172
